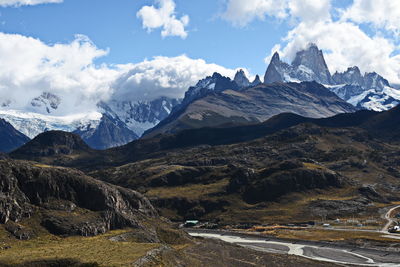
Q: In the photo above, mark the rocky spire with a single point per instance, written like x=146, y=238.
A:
x=241, y=79
x=310, y=65
x=275, y=70
x=256, y=81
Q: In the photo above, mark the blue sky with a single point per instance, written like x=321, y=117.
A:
x=40, y=50
x=114, y=25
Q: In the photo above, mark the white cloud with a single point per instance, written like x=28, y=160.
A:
x=164, y=76
x=240, y=12
x=29, y=67
x=164, y=17
x=310, y=10
x=380, y=13
x=344, y=43
x=17, y=3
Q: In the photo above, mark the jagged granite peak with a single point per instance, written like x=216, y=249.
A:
x=46, y=100
x=256, y=81
x=308, y=65
x=311, y=66
x=351, y=76
x=241, y=79
x=373, y=80
x=368, y=91
x=10, y=138
x=276, y=70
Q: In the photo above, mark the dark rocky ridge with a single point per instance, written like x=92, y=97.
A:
x=53, y=143
x=68, y=201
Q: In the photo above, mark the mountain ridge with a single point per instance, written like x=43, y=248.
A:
x=369, y=90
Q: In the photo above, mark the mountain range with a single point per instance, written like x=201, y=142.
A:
x=366, y=91
x=216, y=174
x=305, y=87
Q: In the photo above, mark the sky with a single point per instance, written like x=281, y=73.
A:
x=91, y=50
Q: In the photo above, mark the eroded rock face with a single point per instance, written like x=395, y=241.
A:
x=70, y=202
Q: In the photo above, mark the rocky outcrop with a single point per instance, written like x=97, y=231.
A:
x=70, y=203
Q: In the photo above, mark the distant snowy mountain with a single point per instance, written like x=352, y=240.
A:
x=139, y=116
x=114, y=123
x=110, y=132
x=369, y=91
x=31, y=124
x=46, y=101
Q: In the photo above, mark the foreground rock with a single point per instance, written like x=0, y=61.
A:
x=66, y=201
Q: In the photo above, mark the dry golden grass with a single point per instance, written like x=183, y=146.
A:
x=43, y=166
x=84, y=249
x=312, y=166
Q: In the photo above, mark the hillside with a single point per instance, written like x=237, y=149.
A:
x=251, y=105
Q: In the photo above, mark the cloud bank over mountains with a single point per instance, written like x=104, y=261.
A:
x=340, y=32
x=29, y=67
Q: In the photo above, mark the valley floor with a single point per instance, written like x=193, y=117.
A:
x=105, y=250
x=316, y=250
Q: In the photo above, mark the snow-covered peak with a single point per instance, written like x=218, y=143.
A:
x=216, y=82
x=351, y=76
x=374, y=81
x=32, y=124
x=46, y=101
x=308, y=65
x=140, y=116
